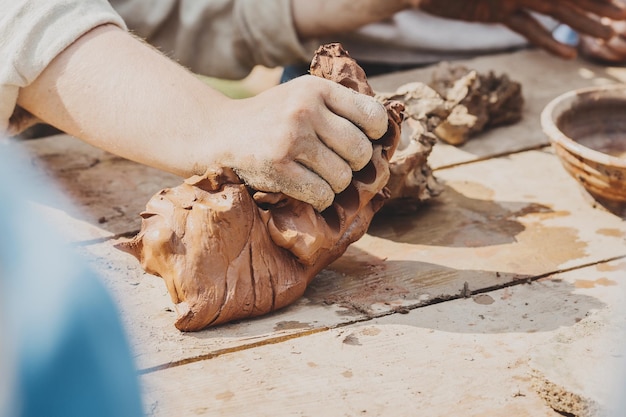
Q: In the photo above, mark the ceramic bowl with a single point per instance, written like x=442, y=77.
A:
x=587, y=129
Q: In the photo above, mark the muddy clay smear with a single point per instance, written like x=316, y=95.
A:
x=227, y=252
x=459, y=103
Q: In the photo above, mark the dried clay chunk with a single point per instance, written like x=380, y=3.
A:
x=227, y=252
x=412, y=181
x=459, y=103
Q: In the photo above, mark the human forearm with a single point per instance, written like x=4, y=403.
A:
x=582, y=15
x=303, y=138
x=119, y=94
x=33, y=33
x=327, y=17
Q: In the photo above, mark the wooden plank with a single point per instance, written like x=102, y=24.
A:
x=543, y=77
x=147, y=312
x=469, y=357
x=498, y=222
x=107, y=191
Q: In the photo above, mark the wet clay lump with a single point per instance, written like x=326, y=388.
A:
x=228, y=252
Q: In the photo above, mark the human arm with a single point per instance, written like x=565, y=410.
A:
x=119, y=94
x=327, y=17
x=612, y=50
x=582, y=15
x=227, y=38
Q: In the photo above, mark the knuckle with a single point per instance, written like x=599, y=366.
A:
x=310, y=87
x=298, y=112
x=344, y=178
x=375, y=118
x=326, y=197
x=320, y=195
x=361, y=155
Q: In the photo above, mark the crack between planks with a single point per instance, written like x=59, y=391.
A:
x=404, y=310
x=493, y=156
x=83, y=243
x=132, y=233
x=234, y=349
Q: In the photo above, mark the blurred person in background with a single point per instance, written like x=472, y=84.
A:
x=63, y=351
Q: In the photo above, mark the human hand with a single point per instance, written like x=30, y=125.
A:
x=302, y=138
x=612, y=50
x=583, y=16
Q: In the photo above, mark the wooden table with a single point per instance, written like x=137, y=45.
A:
x=388, y=330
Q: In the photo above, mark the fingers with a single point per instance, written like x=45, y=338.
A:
x=582, y=22
x=617, y=45
x=582, y=15
x=524, y=24
x=321, y=134
x=612, y=51
x=309, y=188
x=293, y=180
x=603, y=8
x=614, y=9
x=364, y=111
x=327, y=164
x=344, y=138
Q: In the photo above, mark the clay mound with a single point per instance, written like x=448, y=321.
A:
x=412, y=182
x=228, y=252
x=477, y=101
x=460, y=102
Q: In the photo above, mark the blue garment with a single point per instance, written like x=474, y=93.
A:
x=70, y=354
x=566, y=35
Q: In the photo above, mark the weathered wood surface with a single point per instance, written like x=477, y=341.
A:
x=385, y=329
x=468, y=357
x=108, y=192
x=483, y=232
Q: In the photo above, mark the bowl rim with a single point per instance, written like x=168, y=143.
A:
x=557, y=137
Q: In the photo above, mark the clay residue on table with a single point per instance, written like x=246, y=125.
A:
x=458, y=104
x=228, y=252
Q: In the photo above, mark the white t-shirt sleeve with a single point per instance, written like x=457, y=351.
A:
x=32, y=34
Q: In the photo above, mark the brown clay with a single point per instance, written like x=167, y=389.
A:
x=412, y=181
x=479, y=101
x=459, y=102
x=228, y=252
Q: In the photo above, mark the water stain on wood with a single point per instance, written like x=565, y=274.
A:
x=371, y=331
x=611, y=232
x=603, y=282
x=606, y=267
x=484, y=299
x=224, y=396
x=351, y=340
x=291, y=325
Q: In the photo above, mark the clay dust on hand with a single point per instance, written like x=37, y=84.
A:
x=227, y=252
